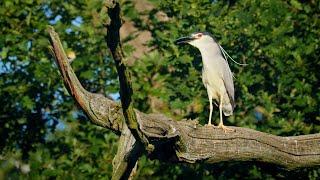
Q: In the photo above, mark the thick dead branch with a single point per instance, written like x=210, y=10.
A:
x=187, y=141
x=126, y=159
x=101, y=110
x=114, y=44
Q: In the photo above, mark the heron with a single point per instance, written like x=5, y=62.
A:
x=216, y=74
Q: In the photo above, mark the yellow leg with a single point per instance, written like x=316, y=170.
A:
x=224, y=128
x=211, y=108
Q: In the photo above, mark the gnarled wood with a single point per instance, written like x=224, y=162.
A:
x=186, y=140
x=101, y=110
x=126, y=159
x=114, y=44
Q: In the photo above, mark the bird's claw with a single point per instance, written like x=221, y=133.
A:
x=225, y=129
x=209, y=125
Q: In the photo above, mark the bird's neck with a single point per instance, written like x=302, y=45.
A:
x=209, y=52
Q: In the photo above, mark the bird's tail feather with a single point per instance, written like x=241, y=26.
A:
x=227, y=109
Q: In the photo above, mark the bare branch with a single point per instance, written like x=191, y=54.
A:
x=113, y=41
x=127, y=156
x=102, y=111
x=185, y=140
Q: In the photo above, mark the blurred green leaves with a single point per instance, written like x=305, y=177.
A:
x=42, y=128
x=34, y=103
x=278, y=92
x=282, y=57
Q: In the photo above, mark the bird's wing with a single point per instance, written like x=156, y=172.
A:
x=227, y=80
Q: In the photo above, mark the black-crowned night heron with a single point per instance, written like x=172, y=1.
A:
x=216, y=74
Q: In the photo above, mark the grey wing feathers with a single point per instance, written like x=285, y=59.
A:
x=228, y=81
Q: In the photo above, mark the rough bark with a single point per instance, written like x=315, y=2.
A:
x=125, y=162
x=184, y=140
x=114, y=44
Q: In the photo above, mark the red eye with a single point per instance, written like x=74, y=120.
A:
x=199, y=35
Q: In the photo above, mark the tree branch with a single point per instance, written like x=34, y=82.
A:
x=102, y=111
x=186, y=140
x=114, y=44
x=127, y=156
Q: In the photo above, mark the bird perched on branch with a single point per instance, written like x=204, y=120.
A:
x=216, y=74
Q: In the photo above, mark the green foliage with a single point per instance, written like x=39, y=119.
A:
x=45, y=136
x=278, y=92
x=39, y=125
x=277, y=39
x=81, y=151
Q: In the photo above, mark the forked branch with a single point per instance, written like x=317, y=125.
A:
x=185, y=140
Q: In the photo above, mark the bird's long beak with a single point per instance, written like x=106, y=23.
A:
x=183, y=40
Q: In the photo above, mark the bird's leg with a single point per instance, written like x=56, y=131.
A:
x=211, y=108
x=225, y=129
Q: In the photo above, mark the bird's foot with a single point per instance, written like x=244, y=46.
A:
x=209, y=125
x=225, y=129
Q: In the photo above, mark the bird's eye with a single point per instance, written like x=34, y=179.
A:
x=199, y=35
